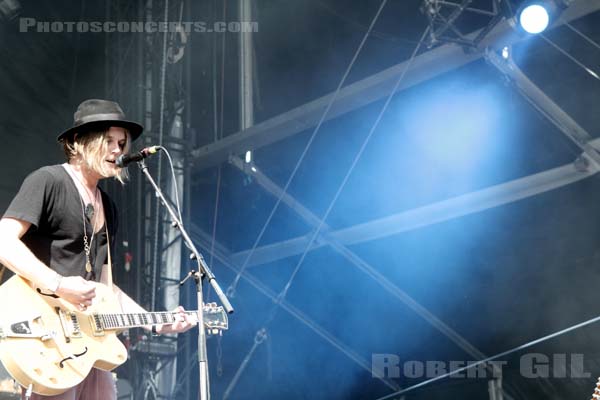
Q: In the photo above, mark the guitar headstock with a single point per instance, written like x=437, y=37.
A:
x=596, y=394
x=215, y=318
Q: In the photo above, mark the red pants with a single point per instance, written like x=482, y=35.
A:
x=98, y=385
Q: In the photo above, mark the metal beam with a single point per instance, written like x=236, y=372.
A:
x=434, y=213
x=267, y=184
x=545, y=105
x=424, y=67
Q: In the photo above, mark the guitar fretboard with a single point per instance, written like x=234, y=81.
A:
x=134, y=320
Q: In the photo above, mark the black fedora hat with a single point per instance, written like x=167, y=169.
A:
x=94, y=113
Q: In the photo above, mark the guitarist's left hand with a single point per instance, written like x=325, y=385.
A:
x=183, y=322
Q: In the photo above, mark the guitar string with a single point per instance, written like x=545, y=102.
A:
x=139, y=319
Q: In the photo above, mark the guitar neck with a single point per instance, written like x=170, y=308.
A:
x=136, y=320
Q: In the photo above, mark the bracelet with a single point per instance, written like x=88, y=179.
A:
x=154, y=332
x=55, y=284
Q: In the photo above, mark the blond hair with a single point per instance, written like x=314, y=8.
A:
x=89, y=150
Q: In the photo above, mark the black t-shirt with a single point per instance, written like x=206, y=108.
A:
x=50, y=201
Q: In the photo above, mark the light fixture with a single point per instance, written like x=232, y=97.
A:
x=248, y=158
x=535, y=16
x=505, y=52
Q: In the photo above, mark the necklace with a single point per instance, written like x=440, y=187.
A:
x=86, y=211
x=94, y=200
x=86, y=245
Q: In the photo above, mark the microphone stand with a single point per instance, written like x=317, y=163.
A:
x=203, y=272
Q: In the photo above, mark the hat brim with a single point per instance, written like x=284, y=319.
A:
x=135, y=129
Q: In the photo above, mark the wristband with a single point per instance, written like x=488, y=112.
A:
x=55, y=283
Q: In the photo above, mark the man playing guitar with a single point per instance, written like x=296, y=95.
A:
x=58, y=230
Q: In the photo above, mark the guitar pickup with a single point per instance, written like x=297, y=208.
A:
x=69, y=323
x=96, y=325
x=76, y=328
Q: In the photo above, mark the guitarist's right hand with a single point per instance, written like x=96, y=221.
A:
x=77, y=291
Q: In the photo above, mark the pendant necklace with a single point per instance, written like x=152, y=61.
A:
x=87, y=211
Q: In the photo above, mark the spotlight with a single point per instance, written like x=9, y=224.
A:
x=505, y=52
x=535, y=16
x=248, y=157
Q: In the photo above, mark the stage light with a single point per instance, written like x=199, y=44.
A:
x=534, y=18
x=248, y=158
x=505, y=52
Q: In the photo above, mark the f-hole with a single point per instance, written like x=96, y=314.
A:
x=62, y=362
x=46, y=294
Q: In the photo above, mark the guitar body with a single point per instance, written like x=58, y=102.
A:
x=49, y=343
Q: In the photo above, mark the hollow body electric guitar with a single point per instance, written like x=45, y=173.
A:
x=48, y=343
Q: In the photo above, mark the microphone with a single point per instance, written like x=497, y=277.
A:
x=125, y=159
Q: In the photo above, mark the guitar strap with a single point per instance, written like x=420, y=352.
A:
x=109, y=280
